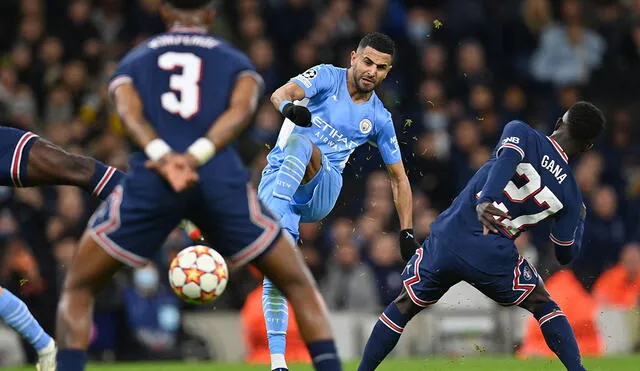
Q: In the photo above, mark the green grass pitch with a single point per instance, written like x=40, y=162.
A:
x=620, y=363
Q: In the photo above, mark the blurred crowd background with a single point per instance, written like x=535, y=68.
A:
x=464, y=68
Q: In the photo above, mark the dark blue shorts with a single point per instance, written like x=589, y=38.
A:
x=15, y=145
x=435, y=268
x=133, y=223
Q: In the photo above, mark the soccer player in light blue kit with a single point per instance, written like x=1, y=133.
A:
x=335, y=111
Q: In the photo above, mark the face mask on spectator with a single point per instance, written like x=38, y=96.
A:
x=418, y=30
x=436, y=121
x=169, y=318
x=145, y=279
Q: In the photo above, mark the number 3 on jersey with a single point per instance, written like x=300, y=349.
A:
x=543, y=196
x=186, y=82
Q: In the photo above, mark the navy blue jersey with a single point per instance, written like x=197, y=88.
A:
x=184, y=80
x=542, y=187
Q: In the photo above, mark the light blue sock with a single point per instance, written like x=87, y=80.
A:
x=16, y=314
x=276, y=315
x=297, y=154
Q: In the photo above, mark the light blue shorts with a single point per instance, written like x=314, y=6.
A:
x=312, y=201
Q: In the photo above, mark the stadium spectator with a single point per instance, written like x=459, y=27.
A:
x=386, y=263
x=619, y=286
x=463, y=69
x=569, y=52
x=349, y=284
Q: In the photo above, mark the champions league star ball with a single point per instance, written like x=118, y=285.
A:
x=198, y=274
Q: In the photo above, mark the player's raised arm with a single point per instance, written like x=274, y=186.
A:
x=509, y=154
x=242, y=106
x=313, y=81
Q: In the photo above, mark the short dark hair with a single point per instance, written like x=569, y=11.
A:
x=585, y=120
x=189, y=4
x=379, y=42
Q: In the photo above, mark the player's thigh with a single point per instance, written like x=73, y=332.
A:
x=510, y=287
x=315, y=200
x=91, y=267
x=429, y=273
x=135, y=220
x=15, y=146
x=236, y=223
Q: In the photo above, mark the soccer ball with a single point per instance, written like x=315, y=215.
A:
x=198, y=274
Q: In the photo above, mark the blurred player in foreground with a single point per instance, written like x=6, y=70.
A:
x=526, y=181
x=336, y=111
x=184, y=96
x=26, y=160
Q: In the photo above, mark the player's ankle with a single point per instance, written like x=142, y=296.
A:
x=50, y=348
x=278, y=362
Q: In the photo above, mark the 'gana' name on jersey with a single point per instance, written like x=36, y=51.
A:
x=555, y=169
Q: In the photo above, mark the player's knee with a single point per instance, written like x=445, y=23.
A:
x=299, y=142
x=405, y=306
x=537, y=298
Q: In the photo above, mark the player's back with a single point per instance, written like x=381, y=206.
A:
x=185, y=80
x=543, y=186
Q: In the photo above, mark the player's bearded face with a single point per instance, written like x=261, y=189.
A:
x=370, y=68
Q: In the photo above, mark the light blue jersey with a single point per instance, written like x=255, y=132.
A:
x=339, y=124
x=339, y=127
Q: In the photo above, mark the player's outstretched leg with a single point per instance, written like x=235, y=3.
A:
x=276, y=315
x=14, y=312
x=48, y=164
x=90, y=269
x=387, y=331
x=297, y=155
x=555, y=327
x=284, y=266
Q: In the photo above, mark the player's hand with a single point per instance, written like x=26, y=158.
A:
x=300, y=115
x=408, y=244
x=486, y=215
x=176, y=169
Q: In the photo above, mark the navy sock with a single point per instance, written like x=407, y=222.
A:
x=71, y=360
x=324, y=355
x=104, y=180
x=383, y=338
x=559, y=335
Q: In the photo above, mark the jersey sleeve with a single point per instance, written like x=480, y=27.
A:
x=315, y=80
x=514, y=137
x=244, y=67
x=387, y=142
x=123, y=74
x=563, y=232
